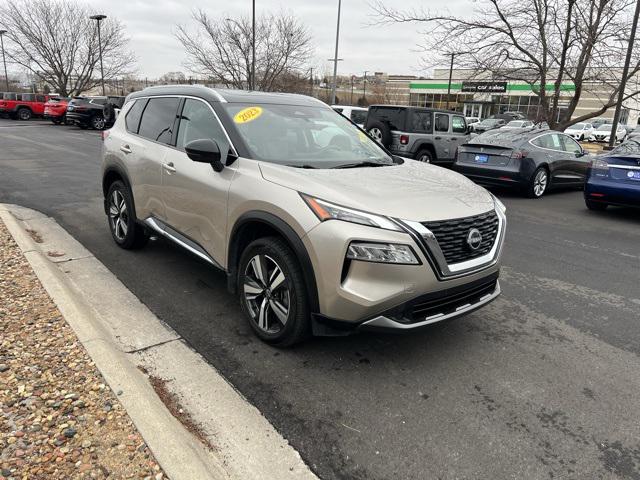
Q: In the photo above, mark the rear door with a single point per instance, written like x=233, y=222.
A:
x=551, y=148
x=146, y=149
x=194, y=195
x=459, y=134
x=442, y=137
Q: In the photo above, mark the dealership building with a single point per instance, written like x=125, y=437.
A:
x=484, y=97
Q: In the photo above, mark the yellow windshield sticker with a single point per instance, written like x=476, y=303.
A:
x=247, y=115
x=363, y=137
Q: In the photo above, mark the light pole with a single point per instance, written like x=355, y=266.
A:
x=4, y=60
x=99, y=18
x=625, y=72
x=450, y=76
x=253, y=45
x=335, y=58
x=364, y=82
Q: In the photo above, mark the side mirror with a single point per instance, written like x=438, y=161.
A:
x=581, y=153
x=205, y=150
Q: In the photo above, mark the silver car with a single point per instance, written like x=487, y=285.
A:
x=319, y=229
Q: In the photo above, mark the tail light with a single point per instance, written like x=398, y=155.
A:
x=105, y=134
x=601, y=167
x=518, y=154
x=404, y=139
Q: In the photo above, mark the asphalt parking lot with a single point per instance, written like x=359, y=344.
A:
x=543, y=383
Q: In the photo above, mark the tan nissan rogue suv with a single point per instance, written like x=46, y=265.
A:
x=319, y=229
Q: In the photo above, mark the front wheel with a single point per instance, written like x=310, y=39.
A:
x=125, y=230
x=97, y=122
x=424, y=156
x=538, y=183
x=24, y=114
x=273, y=293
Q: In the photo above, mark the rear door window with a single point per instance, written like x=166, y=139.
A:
x=421, y=121
x=40, y=98
x=358, y=116
x=549, y=141
x=442, y=122
x=458, y=124
x=395, y=117
x=158, y=119
x=132, y=120
x=28, y=97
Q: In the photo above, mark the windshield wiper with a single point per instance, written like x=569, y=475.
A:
x=363, y=164
x=304, y=165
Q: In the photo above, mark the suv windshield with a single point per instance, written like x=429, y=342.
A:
x=304, y=136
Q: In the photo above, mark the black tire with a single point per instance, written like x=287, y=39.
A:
x=380, y=132
x=276, y=253
x=124, y=227
x=596, y=206
x=97, y=122
x=533, y=188
x=424, y=155
x=24, y=114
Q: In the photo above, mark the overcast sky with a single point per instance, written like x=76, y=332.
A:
x=150, y=25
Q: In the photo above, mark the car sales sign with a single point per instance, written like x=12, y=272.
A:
x=484, y=87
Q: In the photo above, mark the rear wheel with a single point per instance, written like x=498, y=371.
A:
x=125, y=230
x=273, y=294
x=597, y=206
x=424, y=156
x=538, y=184
x=97, y=122
x=24, y=114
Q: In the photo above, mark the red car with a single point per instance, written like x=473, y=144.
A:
x=23, y=106
x=56, y=109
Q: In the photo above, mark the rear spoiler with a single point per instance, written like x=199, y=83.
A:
x=485, y=145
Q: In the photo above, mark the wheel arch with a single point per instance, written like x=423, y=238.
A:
x=112, y=174
x=426, y=145
x=257, y=224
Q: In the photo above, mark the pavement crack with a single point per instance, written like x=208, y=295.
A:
x=148, y=347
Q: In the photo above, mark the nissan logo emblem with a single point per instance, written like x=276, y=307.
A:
x=474, y=239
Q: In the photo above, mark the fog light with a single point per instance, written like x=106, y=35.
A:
x=382, y=253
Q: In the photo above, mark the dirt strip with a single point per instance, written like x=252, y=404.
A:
x=58, y=418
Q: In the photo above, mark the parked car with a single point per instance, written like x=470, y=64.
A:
x=515, y=115
x=579, y=131
x=313, y=240
x=471, y=121
x=424, y=134
x=614, y=178
x=93, y=112
x=634, y=134
x=489, y=124
x=532, y=161
x=357, y=115
x=513, y=124
x=55, y=109
x=23, y=106
x=603, y=134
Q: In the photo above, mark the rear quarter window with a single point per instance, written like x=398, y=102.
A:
x=394, y=116
x=132, y=119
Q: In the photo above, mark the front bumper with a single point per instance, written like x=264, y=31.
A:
x=358, y=294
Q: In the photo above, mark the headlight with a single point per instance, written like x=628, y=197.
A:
x=382, y=253
x=329, y=211
x=499, y=204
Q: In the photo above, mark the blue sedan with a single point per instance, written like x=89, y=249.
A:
x=614, y=178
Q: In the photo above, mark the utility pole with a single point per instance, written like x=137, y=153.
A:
x=365, y=86
x=253, y=46
x=4, y=60
x=312, y=81
x=335, y=58
x=625, y=73
x=99, y=18
x=352, y=79
x=450, y=76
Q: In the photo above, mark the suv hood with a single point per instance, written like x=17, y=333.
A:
x=411, y=191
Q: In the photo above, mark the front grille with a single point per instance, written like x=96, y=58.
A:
x=452, y=236
x=446, y=301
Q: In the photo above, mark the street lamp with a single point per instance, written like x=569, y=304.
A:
x=99, y=18
x=336, y=59
x=4, y=60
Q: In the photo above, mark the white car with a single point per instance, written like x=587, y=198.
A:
x=517, y=124
x=471, y=120
x=357, y=115
x=579, y=131
x=603, y=132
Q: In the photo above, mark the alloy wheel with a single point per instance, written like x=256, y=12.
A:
x=24, y=114
x=266, y=294
x=424, y=158
x=118, y=215
x=376, y=134
x=540, y=183
x=98, y=123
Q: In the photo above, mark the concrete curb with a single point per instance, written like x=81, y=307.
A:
x=129, y=339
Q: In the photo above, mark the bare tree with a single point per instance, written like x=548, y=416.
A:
x=57, y=42
x=221, y=49
x=543, y=43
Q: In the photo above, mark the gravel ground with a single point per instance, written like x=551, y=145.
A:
x=58, y=418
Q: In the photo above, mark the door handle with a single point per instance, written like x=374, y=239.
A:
x=169, y=167
x=125, y=148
